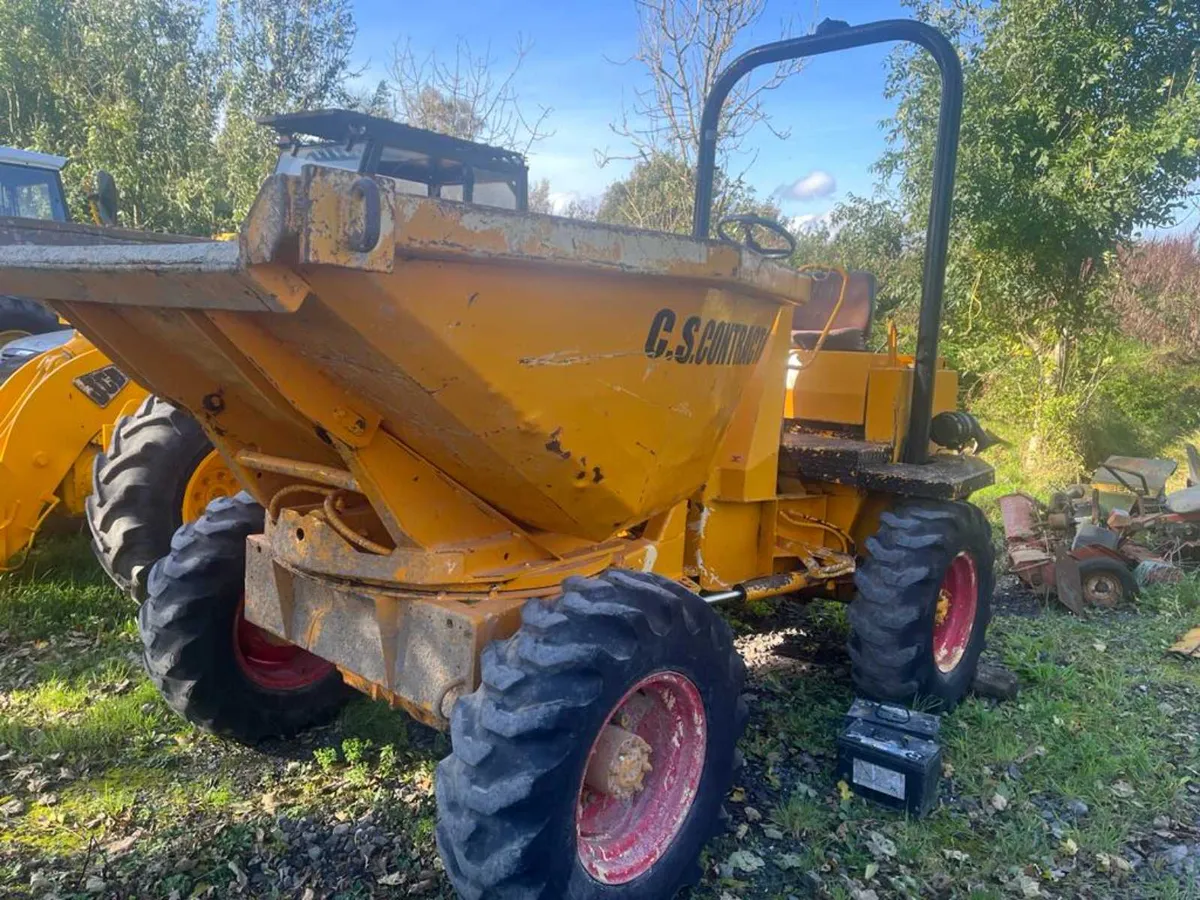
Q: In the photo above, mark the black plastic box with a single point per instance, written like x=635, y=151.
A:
x=890, y=766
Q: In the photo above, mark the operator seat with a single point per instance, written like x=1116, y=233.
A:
x=852, y=327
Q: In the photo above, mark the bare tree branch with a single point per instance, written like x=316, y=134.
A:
x=683, y=45
x=470, y=97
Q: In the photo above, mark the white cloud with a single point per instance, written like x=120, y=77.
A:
x=809, y=222
x=815, y=184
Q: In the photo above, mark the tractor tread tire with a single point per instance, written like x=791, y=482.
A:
x=508, y=791
x=187, y=629
x=21, y=314
x=138, y=487
x=892, y=614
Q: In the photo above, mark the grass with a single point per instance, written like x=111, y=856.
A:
x=1067, y=791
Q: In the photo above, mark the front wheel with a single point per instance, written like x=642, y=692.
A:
x=159, y=472
x=919, y=620
x=593, y=759
x=212, y=666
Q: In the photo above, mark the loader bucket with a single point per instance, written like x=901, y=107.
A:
x=574, y=378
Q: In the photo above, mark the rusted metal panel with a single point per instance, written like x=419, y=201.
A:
x=1019, y=512
x=1135, y=474
x=416, y=647
x=868, y=465
x=199, y=275
x=47, y=232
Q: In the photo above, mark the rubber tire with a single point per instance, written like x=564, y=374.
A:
x=187, y=629
x=19, y=314
x=138, y=487
x=892, y=615
x=1114, y=567
x=507, y=793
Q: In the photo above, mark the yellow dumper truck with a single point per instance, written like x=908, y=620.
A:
x=62, y=402
x=499, y=467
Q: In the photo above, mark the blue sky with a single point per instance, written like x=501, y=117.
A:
x=833, y=107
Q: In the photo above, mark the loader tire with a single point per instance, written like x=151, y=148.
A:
x=211, y=666
x=139, y=488
x=919, y=620
x=20, y=318
x=516, y=818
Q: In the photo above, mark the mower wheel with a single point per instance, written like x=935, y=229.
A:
x=20, y=318
x=592, y=761
x=143, y=487
x=919, y=620
x=211, y=665
x=1106, y=582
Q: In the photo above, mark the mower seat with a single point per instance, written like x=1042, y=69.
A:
x=1185, y=502
x=852, y=327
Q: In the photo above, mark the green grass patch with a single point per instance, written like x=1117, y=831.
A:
x=1061, y=785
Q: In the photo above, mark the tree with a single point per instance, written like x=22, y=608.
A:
x=122, y=86
x=1081, y=123
x=683, y=47
x=1157, y=294
x=470, y=98
x=658, y=195
x=274, y=58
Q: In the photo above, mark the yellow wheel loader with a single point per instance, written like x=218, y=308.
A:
x=61, y=400
x=500, y=467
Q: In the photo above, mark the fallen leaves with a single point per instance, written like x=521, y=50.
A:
x=879, y=846
x=1188, y=645
x=1123, y=789
x=746, y=861
x=1025, y=886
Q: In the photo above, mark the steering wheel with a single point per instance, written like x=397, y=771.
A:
x=749, y=223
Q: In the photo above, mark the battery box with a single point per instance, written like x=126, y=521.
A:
x=893, y=767
x=919, y=724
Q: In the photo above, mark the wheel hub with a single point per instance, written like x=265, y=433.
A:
x=954, y=619
x=1102, y=590
x=642, y=777
x=209, y=481
x=273, y=663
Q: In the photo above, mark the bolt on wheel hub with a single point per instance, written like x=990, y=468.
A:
x=210, y=480
x=642, y=777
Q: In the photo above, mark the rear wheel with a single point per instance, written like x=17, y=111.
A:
x=212, y=666
x=1106, y=582
x=919, y=620
x=159, y=472
x=20, y=318
x=593, y=760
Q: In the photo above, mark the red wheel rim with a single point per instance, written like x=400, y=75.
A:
x=272, y=663
x=618, y=838
x=954, y=620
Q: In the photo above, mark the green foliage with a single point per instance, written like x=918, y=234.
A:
x=1081, y=124
x=660, y=192
x=121, y=86
x=274, y=58
x=148, y=91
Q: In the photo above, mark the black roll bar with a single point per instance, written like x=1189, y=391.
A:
x=831, y=36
